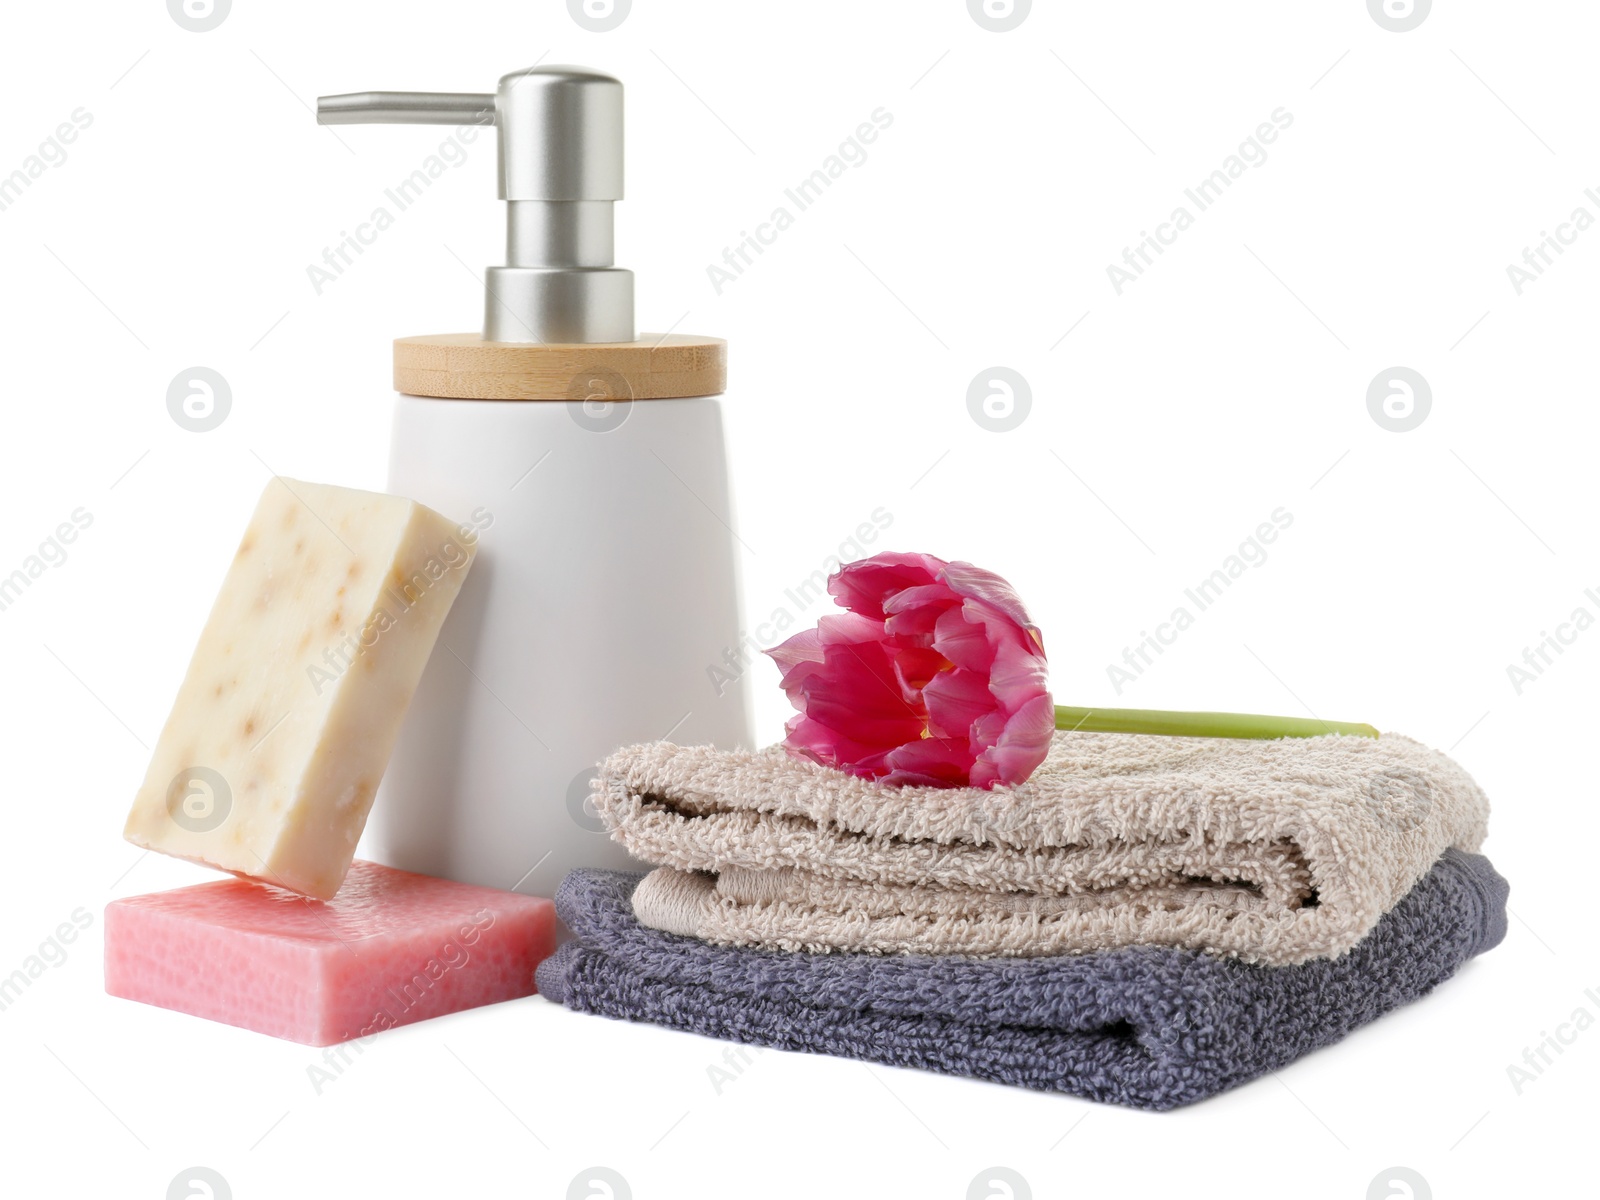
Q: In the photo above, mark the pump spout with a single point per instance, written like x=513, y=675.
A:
x=407, y=108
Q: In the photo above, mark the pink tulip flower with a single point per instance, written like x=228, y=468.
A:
x=933, y=675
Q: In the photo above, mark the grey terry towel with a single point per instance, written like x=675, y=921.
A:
x=1147, y=1027
x=1272, y=851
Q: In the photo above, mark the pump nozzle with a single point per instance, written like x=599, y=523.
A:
x=407, y=108
x=560, y=136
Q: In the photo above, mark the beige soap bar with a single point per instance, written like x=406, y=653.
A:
x=283, y=726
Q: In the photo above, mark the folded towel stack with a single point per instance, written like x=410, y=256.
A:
x=1146, y=920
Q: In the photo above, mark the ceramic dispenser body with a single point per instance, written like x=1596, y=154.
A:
x=597, y=614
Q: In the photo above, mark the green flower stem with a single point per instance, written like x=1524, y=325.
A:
x=1200, y=724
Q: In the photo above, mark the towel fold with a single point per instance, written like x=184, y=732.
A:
x=1272, y=851
x=1148, y=1027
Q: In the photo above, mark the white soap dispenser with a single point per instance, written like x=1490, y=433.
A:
x=591, y=463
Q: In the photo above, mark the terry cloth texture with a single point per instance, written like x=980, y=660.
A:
x=1145, y=1026
x=1272, y=851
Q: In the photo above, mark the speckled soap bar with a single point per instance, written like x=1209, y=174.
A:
x=286, y=719
x=390, y=949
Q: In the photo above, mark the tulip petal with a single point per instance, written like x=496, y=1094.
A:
x=931, y=762
x=810, y=739
x=915, y=597
x=859, y=695
x=805, y=646
x=915, y=667
x=842, y=628
x=1022, y=747
x=955, y=701
x=964, y=642
x=863, y=586
x=793, y=681
x=914, y=611
x=970, y=581
x=1016, y=677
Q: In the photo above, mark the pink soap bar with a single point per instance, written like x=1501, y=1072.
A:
x=389, y=949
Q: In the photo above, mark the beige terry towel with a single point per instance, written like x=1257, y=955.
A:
x=1271, y=851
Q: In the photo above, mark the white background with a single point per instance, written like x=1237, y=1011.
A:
x=1228, y=381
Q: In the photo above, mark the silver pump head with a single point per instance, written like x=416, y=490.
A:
x=560, y=135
